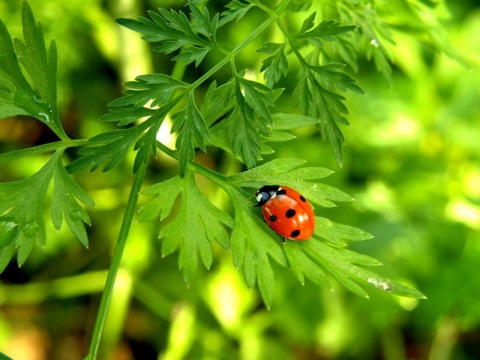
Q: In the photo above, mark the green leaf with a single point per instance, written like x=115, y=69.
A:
x=33, y=54
x=344, y=50
x=161, y=205
x=327, y=30
x=8, y=231
x=338, y=233
x=266, y=281
x=22, y=207
x=316, y=91
x=234, y=125
x=289, y=172
x=202, y=23
x=111, y=149
x=4, y=357
x=192, y=54
x=381, y=59
x=178, y=23
x=12, y=81
x=256, y=97
x=341, y=264
x=283, y=121
x=6, y=254
x=236, y=11
x=193, y=132
x=155, y=88
x=8, y=234
x=197, y=225
x=174, y=32
x=308, y=23
x=40, y=67
x=276, y=65
x=252, y=246
x=334, y=78
x=127, y=115
x=280, y=136
x=303, y=266
x=146, y=146
x=37, y=96
x=372, y=32
x=245, y=134
x=218, y=101
x=262, y=174
x=280, y=171
x=317, y=101
x=247, y=125
x=64, y=204
x=52, y=80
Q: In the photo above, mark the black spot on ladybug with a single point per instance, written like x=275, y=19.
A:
x=273, y=218
x=302, y=198
x=295, y=233
x=281, y=192
x=290, y=213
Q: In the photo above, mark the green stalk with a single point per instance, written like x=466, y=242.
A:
x=231, y=54
x=115, y=265
x=13, y=155
x=291, y=42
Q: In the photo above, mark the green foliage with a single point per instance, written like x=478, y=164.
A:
x=194, y=132
x=251, y=244
x=23, y=201
x=22, y=210
x=37, y=96
x=246, y=115
x=198, y=224
x=236, y=11
x=236, y=114
x=275, y=65
x=195, y=37
x=196, y=227
x=65, y=205
x=4, y=357
x=373, y=32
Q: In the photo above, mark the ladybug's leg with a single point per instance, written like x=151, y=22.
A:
x=284, y=240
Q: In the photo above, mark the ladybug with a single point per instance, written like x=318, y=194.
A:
x=286, y=211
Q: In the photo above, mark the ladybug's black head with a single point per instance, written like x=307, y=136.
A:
x=265, y=193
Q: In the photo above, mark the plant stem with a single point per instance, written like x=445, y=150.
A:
x=231, y=55
x=275, y=12
x=116, y=260
x=294, y=48
x=13, y=155
x=200, y=169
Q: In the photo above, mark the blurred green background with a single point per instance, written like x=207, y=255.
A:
x=411, y=162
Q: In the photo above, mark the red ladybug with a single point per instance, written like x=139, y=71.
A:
x=286, y=211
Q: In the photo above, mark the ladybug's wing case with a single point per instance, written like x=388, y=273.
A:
x=303, y=203
x=288, y=217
